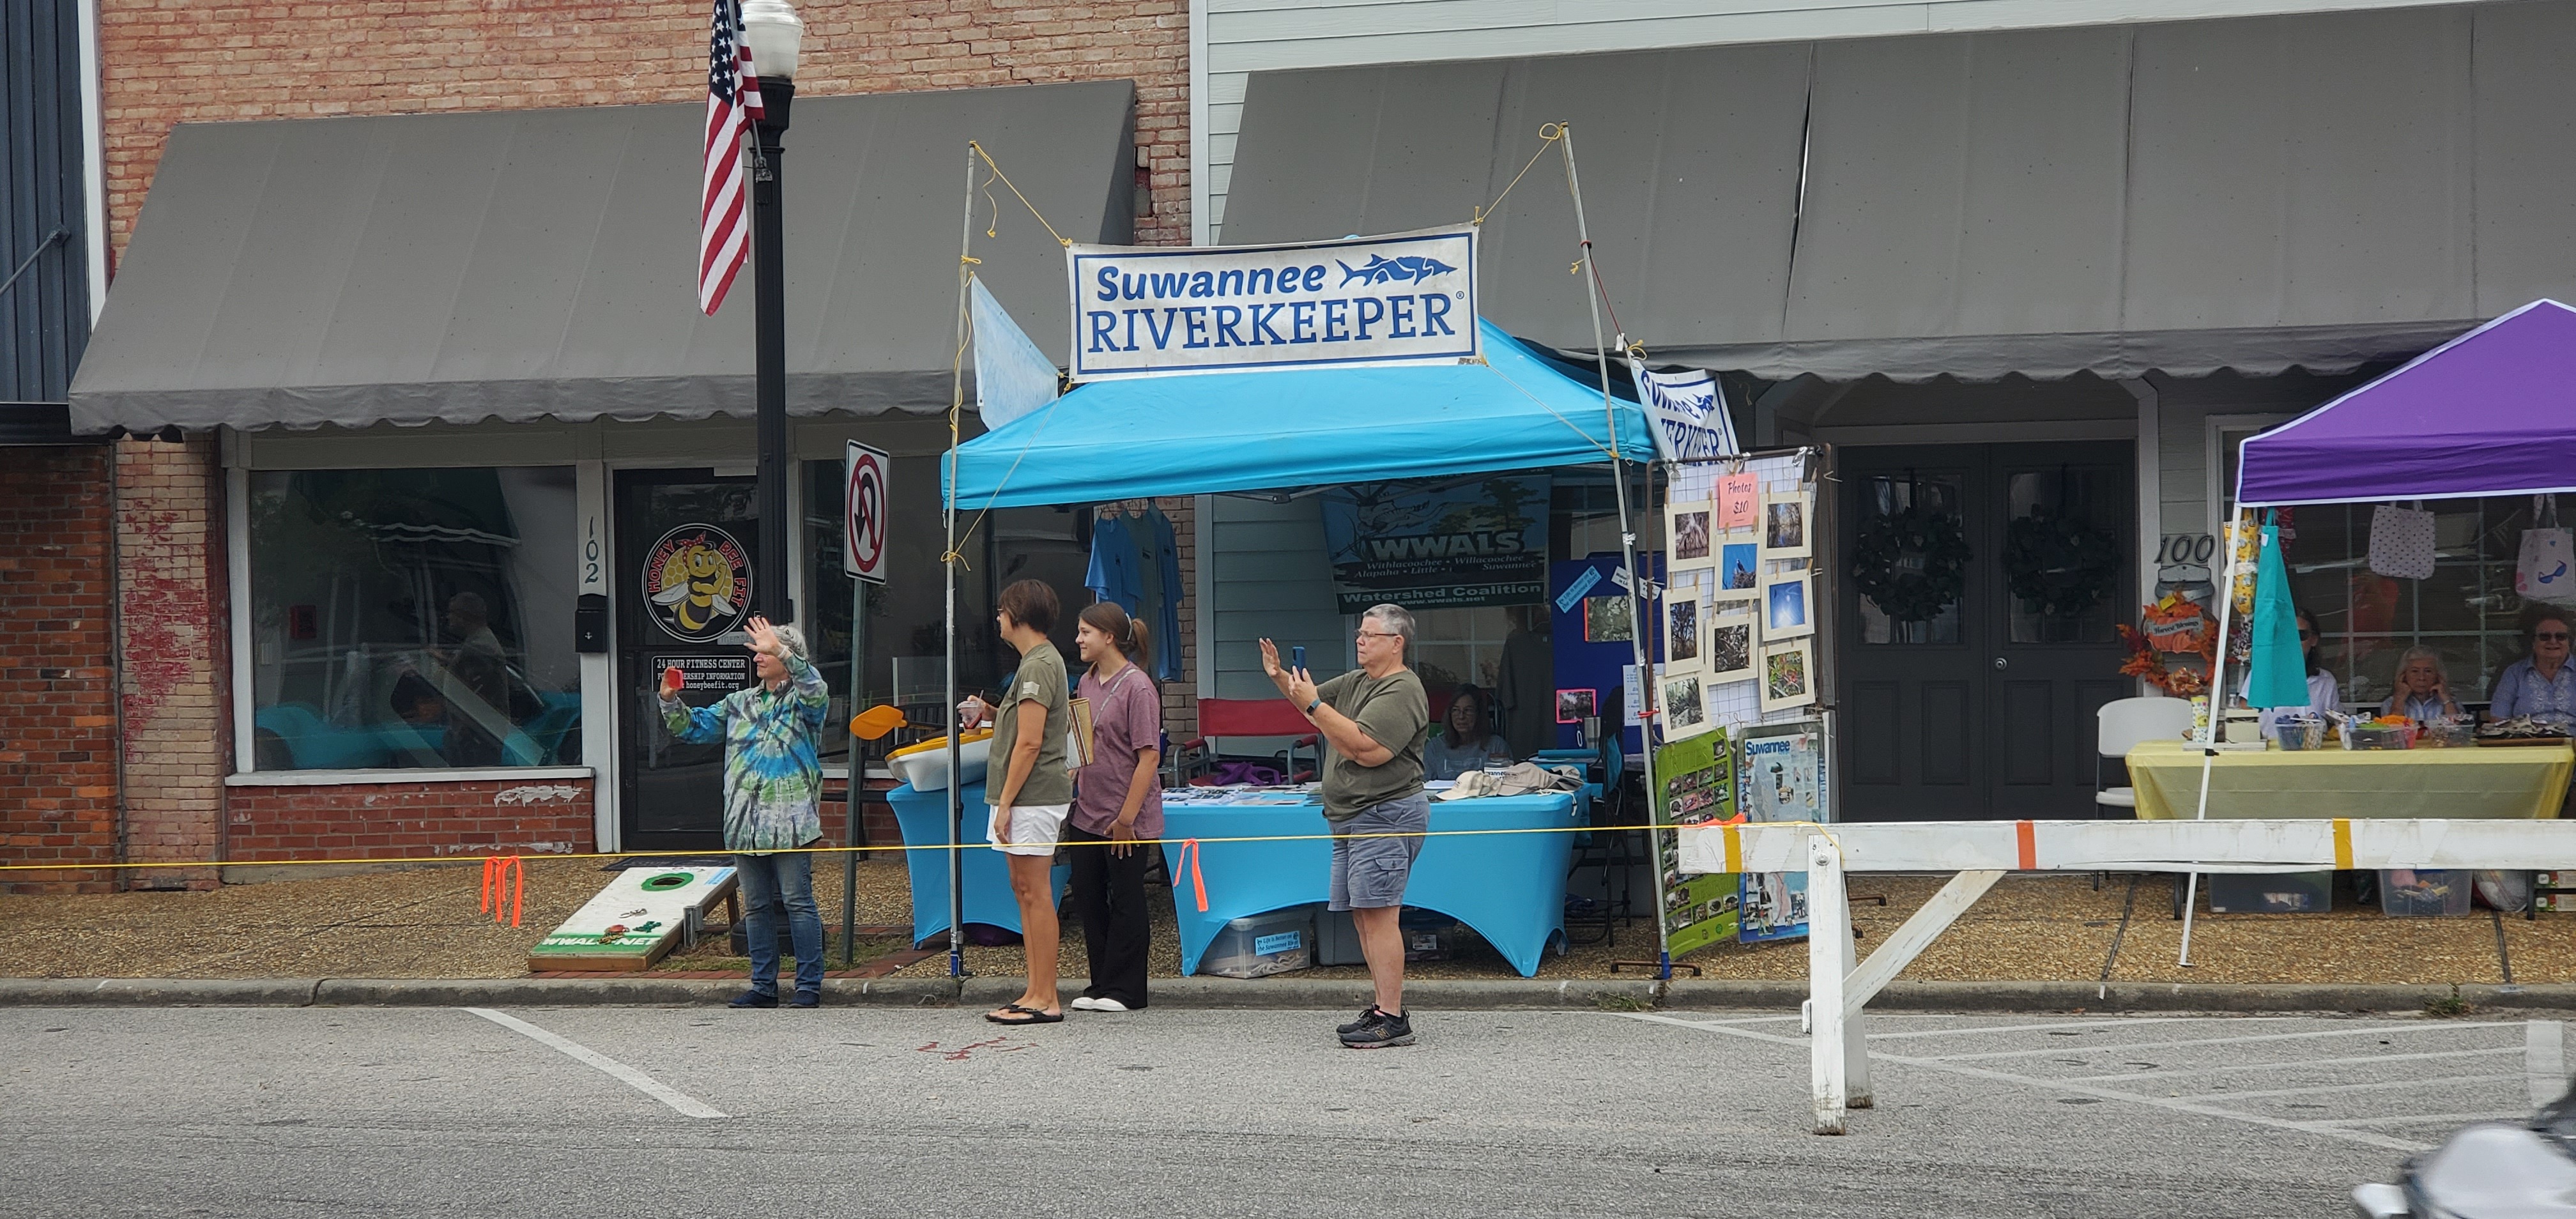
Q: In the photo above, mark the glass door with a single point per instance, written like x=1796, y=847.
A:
x=685, y=544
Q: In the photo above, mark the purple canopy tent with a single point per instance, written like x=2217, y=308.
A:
x=2492, y=412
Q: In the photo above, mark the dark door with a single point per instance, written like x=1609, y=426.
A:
x=685, y=544
x=1979, y=702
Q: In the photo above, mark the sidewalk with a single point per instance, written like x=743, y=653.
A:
x=2055, y=940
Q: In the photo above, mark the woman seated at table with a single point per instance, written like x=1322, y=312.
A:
x=2541, y=685
x=2323, y=692
x=1466, y=738
x=2423, y=689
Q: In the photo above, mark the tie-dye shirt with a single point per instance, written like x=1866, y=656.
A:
x=773, y=775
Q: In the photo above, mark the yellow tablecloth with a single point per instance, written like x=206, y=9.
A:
x=2488, y=781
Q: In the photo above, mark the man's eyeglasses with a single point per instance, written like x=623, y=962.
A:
x=1398, y=635
x=2550, y=636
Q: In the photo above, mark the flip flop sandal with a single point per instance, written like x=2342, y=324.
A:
x=1033, y=1015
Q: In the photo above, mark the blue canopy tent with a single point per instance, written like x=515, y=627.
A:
x=1208, y=433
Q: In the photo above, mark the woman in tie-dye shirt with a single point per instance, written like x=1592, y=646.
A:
x=773, y=783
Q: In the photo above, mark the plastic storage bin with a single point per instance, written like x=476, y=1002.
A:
x=2275, y=893
x=1262, y=945
x=2423, y=893
x=1337, y=941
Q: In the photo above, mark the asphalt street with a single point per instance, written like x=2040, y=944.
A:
x=629, y=1112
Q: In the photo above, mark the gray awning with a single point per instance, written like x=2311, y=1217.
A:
x=2316, y=191
x=541, y=263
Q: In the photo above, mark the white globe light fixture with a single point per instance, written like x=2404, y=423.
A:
x=774, y=31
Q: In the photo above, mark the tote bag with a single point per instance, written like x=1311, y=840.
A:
x=2401, y=542
x=2547, y=569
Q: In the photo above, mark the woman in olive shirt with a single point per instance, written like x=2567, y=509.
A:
x=1033, y=792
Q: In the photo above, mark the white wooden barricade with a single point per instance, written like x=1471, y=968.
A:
x=1980, y=852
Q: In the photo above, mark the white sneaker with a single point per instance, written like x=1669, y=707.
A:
x=1089, y=1004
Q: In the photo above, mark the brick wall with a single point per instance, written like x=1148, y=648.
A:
x=169, y=61
x=411, y=820
x=177, y=651
x=57, y=707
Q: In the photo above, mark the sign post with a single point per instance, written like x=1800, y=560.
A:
x=863, y=545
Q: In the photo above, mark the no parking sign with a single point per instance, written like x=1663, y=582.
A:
x=863, y=518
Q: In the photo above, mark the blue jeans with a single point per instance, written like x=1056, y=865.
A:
x=772, y=884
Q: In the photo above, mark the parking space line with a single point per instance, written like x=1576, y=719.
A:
x=2544, y=1060
x=687, y=1105
x=2365, y=1031
x=2374, y=1086
x=2444, y=1118
x=2308, y=1062
x=2172, y=1104
x=2031, y=1028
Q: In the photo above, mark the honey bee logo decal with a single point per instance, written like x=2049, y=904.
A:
x=698, y=581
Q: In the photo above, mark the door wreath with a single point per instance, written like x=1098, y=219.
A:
x=1911, y=563
x=2059, y=565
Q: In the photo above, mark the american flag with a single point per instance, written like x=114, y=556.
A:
x=733, y=104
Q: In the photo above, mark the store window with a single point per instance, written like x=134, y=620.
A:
x=2467, y=611
x=413, y=619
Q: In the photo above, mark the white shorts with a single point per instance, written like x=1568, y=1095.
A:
x=1034, y=828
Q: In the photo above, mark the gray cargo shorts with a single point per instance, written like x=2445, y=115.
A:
x=1369, y=873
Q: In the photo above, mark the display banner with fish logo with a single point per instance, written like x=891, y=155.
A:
x=1689, y=413
x=1409, y=298
x=697, y=581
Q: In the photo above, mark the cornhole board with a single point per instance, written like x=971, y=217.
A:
x=648, y=905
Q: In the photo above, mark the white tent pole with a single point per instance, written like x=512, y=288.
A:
x=948, y=573
x=2209, y=730
x=1628, y=554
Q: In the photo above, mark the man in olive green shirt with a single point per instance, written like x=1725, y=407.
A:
x=1374, y=721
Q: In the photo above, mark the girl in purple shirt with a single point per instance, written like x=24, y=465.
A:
x=1117, y=800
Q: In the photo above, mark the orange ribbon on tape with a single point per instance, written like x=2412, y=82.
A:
x=1198, y=883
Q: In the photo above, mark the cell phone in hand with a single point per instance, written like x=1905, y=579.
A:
x=671, y=680
x=1297, y=659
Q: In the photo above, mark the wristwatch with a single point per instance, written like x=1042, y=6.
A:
x=1310, y=707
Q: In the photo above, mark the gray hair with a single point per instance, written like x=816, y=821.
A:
x=2420, y=652
x=1394, y=618
x=795, y=642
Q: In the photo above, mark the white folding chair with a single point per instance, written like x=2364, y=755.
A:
x=2120, y=725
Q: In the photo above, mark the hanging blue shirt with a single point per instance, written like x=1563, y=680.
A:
x=1112, y=576
x=1167, y=618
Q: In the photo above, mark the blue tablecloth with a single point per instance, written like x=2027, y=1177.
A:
x=924, y=818
x=1509, y=887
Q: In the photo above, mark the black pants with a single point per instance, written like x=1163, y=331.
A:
x=1109, y=898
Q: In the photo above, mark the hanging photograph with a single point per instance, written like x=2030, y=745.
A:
x=1788, y=610
x=1788, y=674
x=1682, y=634
x=1685, y=708
x=1729, y=650
x=1739, y=569
x=1687, y=535
x=1608, y=620
x=1785, y=519
x=1576, y=706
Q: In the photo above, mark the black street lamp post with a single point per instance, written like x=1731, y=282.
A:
x=774, y=31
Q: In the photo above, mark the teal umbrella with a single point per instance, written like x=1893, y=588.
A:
x=2278, y=673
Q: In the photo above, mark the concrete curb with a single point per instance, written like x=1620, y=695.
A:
x=1285, y=994
x=157, y=992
